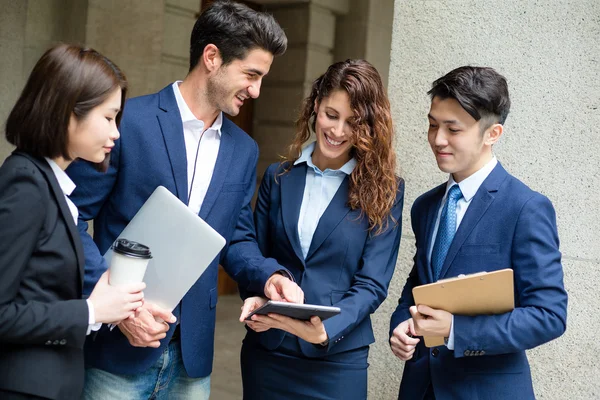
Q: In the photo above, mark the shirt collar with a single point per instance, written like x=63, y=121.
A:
x=306, y=157
x=188, y=117
x=470, y=185
x=65, y=183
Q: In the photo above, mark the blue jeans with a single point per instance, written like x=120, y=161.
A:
x=166, y=379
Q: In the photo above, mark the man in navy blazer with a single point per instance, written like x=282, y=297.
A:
x=180, y=139
x=482, y=219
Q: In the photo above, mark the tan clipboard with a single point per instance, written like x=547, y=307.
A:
x=475, y=294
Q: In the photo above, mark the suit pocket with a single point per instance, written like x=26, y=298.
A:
x=499, y=364
x=480, y=249
x=233, y=187
x=214, y=298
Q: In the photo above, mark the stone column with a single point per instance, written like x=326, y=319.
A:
x=310, y=28
x=12, y=40
x=548, y=51
x=366, y=32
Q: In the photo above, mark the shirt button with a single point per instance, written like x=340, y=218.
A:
x=482, y=353
x=63, y=342
x=435, y=352
x=56, y=342
x=48, y=343
x=467, y=353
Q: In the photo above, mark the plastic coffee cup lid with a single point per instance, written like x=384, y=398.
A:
x=131, y=249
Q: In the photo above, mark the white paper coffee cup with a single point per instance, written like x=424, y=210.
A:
x=129, y=262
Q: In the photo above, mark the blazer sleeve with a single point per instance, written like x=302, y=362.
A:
x=243, y=259
x=370, y=284
x=540, y=298
x=92, y=191
x=22, y=216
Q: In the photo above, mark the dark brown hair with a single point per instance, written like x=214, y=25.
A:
x=481, y=91
x=373, y=182
x=235, y=29
x=66, y=80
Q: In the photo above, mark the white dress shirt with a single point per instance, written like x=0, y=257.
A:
x=469, y=188
x=67, y=186
x=201, y=150
x=319, y=190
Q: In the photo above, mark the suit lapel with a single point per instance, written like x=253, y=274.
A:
x=292, y=192
x=171, y=126
x=333, y=215
x=479, y=205
x=63, y=207
x=226, y=151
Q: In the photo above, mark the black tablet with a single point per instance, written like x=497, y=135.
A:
x=302, y=312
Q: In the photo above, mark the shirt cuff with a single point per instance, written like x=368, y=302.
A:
x=450, y=343
x=92, y=325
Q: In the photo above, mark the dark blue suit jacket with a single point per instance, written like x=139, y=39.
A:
x=151, y=152
x=346, y=266
x=507, y=225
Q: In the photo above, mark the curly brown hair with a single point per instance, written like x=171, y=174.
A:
x=373, y=182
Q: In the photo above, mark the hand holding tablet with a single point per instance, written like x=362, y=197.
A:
x=301, y=312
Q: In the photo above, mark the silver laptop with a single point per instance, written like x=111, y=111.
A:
x=182, y=246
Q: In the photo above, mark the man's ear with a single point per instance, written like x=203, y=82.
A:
x=211, y=57
x=493, y=133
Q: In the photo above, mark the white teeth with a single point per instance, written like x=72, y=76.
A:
x=331, y=141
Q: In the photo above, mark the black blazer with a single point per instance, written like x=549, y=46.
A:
x=43, y=320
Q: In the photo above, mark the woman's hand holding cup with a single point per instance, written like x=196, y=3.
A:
x=113, y=304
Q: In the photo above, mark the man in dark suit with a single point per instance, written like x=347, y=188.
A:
x=180, y=139
x=482, y=219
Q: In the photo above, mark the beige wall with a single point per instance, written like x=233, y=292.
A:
x=365, y=32
x=549, y=52
x=148, y=40
x=12, y=42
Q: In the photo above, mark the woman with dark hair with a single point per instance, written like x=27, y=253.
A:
x=330, y=213
x=69, y=109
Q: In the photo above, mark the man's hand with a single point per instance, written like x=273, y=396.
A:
x=281, y=288
x=430, y=322
x=403, y=346
x=147, y=328
x=251, y=304
x=312, y=331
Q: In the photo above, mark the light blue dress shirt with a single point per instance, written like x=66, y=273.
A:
x=319, y=189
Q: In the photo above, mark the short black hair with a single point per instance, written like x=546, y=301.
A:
x=481, y=91
x=67, y=80
x=235, y=29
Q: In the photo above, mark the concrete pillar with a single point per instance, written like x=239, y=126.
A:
x=12, y=40
x=310, y=28
x=366, y=32
x=149, y=40
x=548, y=51
x=130, y=33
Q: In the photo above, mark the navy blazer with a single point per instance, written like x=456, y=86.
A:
x=151, y=152
x=507, y=225
x=346, y=266
x=43, y=320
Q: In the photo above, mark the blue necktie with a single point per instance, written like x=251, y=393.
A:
x=445, y=232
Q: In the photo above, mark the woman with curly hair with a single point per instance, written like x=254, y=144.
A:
x=330, y=213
